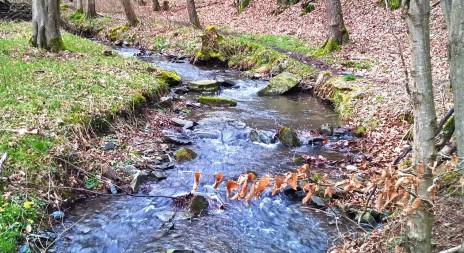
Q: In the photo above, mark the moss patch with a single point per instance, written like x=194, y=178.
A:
x=170, y=77
x=216, y=101
x=184, y=154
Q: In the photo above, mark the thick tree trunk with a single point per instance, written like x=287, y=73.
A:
x=192, y=12
x=91, y=12
x=419, y=227
x=456, y=59
x=79, y=6
x=46, y=25
x=156, y=5
x=335, y=24
x=129, y=11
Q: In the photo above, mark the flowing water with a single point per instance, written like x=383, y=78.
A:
x=269, y=224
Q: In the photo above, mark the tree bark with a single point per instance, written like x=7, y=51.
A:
x=141, y=2
x=419, y=227
x=46, y=25
x=91, y=12
x=79, y=6
x=156, y=5
x=129, y=11
x=456, y=60
x=335, y=25
x=192, y=12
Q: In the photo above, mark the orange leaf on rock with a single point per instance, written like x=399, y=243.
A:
x=230, y=186
x=262, y=184
x=311, y=189
x=252, y=192
x=196, y=180
x=292, y=180
x=277, y=184
x=218, y=180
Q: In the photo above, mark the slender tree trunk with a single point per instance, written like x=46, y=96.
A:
x=419, y=227
x=335, y=25
x=46, y=25
x=141, y=2
x=156, y=5
x=192, y=12
x=79, y=6
x=91, y=12
x=129, y=11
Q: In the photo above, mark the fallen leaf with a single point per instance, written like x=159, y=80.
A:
x=218, y=180
x=196, y=180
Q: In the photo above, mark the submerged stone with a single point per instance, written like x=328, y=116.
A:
x=288, y=137
x=216, y=101
x=326, y=129
x=204, y=86
x=185, y=154
x=197, y=204
x=280, y=84
x=261, y=136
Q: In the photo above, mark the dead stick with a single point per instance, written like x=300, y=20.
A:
x=115, y=195
x=2, y=160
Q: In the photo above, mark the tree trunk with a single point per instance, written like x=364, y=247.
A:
x=46, y=25
x=129, y=11
x=335, y=25
x=156, y=5
x=141, y=2
x=90, y=12
x=456, y=59
x=192, y=12
x=79, y=6
x=419, y=227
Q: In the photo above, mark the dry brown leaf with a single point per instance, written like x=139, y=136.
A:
x=218, y=180
x=262, y=184
x=277, y=184
x=243, y=191
x=328, y=191
x=251, y=177
x=196, y=180
x=402, y=198
x=307, y=198
x=380, y=201
x=230, y=186
x=292, y=180
x=432, y=191
x=414, y=206
x=420, y=170
x=343, y=182
x=303, y=169
x=253, y=190
x=311, y=189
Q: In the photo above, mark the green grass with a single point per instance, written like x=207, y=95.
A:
x=283, y=42
x=57, y=94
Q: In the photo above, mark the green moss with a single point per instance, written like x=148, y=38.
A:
x=184, y=154
x=216, y=101
x=170, y=77
x=392, y=4
x=360, y=131
x=56, y=45
x=361, y=64
x=328, y=47
x=288, y=137
x=307, y=8
x=77, y=15
x=349, y=77
x=243, y=4
x=448, y=127
x=116, y=32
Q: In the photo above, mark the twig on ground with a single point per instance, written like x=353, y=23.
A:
x=2, y=160
x=452, y=250
x=115, y=195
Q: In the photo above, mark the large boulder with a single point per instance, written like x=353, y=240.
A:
x=205, y=86
x=216, y=101
x=280, y=84
x=170, y=77
x=288, y=137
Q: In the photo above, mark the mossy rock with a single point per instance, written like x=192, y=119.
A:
x=115, y=32
x=288, y=137
x=197, y=204
x=205, y=85
x=216, y=101
x=210, y=52
x=185, y=154
x=280, y=84
x=170, y=77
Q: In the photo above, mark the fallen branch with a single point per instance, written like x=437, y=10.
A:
x=115, y=195
x=2, y=160
x=452, y=250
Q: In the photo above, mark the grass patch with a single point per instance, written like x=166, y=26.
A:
x=57, y=93
x=283, y=42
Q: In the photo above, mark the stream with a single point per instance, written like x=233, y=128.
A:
x=221, y=140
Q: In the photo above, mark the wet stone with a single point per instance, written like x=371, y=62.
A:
x=165, y=166
x=137, y=180
x=197, y=204
x=57, y=215
x=176, y=138
x=326, y=129
x=186, y=124
x=165, y=102
x=158, y=174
